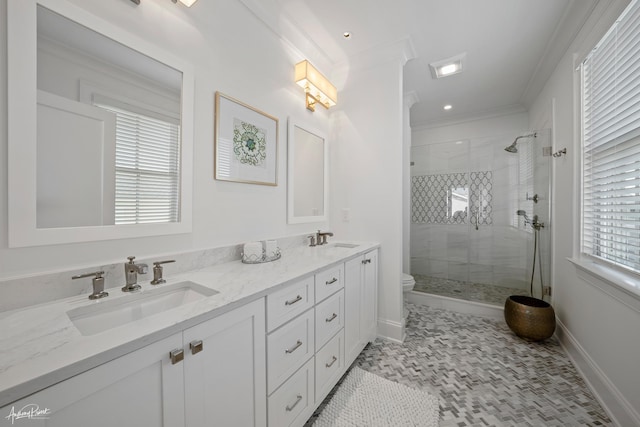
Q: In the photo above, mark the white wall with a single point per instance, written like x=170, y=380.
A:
x=598, y=326
x=513, y=123
x=367, y=170
x=251, y=64
x=235, y=53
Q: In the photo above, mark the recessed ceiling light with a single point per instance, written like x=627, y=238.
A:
x=448, y=107
x=346, y=34
x=445, y=70
x=447, y=67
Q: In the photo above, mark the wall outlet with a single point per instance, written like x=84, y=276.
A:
x=346, y=215
x=547, y=290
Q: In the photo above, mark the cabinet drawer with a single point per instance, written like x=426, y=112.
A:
x=329, y=281
x=329, y=365
x=293, y=403
x=287, y=303
x=288, y=348
x=329, y=318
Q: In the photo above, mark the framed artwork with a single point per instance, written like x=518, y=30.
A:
x=246, y=143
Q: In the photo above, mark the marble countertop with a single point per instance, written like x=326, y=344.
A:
x=40, y=346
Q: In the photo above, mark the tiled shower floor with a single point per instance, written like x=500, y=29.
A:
x=483, y=374
x=469, y=291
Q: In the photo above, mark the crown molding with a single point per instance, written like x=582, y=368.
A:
x=464, y=118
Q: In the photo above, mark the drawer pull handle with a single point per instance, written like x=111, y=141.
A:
x=330, y=319
x=176, y=356
x=293, y=301
x=366, y=261
x=298, y=399
x=332, y=281
x=330, y=364
x=294, y=348
x=196, y=346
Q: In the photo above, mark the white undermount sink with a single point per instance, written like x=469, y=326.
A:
x=342, y=245
x=108, y=314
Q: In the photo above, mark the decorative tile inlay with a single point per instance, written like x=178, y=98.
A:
x=483, y=374
x=450, y=198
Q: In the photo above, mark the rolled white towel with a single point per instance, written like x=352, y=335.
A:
x=253, y=251
x=270, y=248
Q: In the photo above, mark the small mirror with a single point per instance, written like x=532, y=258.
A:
x=307, y=175
x=101, y=135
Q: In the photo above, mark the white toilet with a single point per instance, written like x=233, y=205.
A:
x=408, y=282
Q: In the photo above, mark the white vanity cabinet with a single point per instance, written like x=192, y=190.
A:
x=305, y=345
x=224, y=369
x=361, y=302
x=141, y=388
x=218, y=383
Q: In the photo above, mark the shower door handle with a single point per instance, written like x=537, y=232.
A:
x=476, y=218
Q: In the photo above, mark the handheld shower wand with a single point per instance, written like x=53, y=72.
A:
x=536, y=248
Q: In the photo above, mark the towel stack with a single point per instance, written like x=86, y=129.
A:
x=270, y=248
x=253, y=251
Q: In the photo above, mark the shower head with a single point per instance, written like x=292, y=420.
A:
x=512, y=148
x=520, y=212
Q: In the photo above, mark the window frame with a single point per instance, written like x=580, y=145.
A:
x=625, y=278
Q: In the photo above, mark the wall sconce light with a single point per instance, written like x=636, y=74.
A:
x=187, y=3
x=316, y=86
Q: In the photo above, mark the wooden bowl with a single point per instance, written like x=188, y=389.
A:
x=530, y=318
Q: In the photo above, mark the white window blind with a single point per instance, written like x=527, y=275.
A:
x=147, y=167
x=611, y=144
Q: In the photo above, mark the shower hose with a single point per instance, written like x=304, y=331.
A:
x=536, y=250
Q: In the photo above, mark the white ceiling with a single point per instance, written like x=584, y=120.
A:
x=511, y=46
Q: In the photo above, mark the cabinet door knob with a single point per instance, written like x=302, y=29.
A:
x=290, y=408
x=332, y=281
x=176, y=356
x=195, y=346
x=294, y=348
x=366, y=261
x=329, y=319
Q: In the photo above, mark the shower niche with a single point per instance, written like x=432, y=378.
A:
x=467, y=239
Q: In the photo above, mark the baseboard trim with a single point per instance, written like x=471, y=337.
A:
x=621, y=412
x=457, y=305
x=391, y=330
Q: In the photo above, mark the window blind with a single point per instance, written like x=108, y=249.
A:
x=611, y=144
x=147, y=168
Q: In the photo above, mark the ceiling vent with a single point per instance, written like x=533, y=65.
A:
x=448, y=67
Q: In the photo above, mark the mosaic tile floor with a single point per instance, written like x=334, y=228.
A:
x=483, y=374
x=468, y=291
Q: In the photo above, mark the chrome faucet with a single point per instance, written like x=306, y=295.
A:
x=98, y=284
x=157, y=272
x=321, y=237
x=131, y=271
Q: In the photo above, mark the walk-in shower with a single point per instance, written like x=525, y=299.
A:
x=473, y=219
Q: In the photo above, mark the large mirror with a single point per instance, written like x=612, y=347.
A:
x=100, y=130
x=307, y=174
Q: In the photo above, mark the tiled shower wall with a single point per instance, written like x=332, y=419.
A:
x=432, y=198
x=449, y=246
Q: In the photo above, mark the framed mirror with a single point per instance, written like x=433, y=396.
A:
x=307, y=174
x=100, y=130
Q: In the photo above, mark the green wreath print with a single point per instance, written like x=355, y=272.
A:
x=249, y=143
